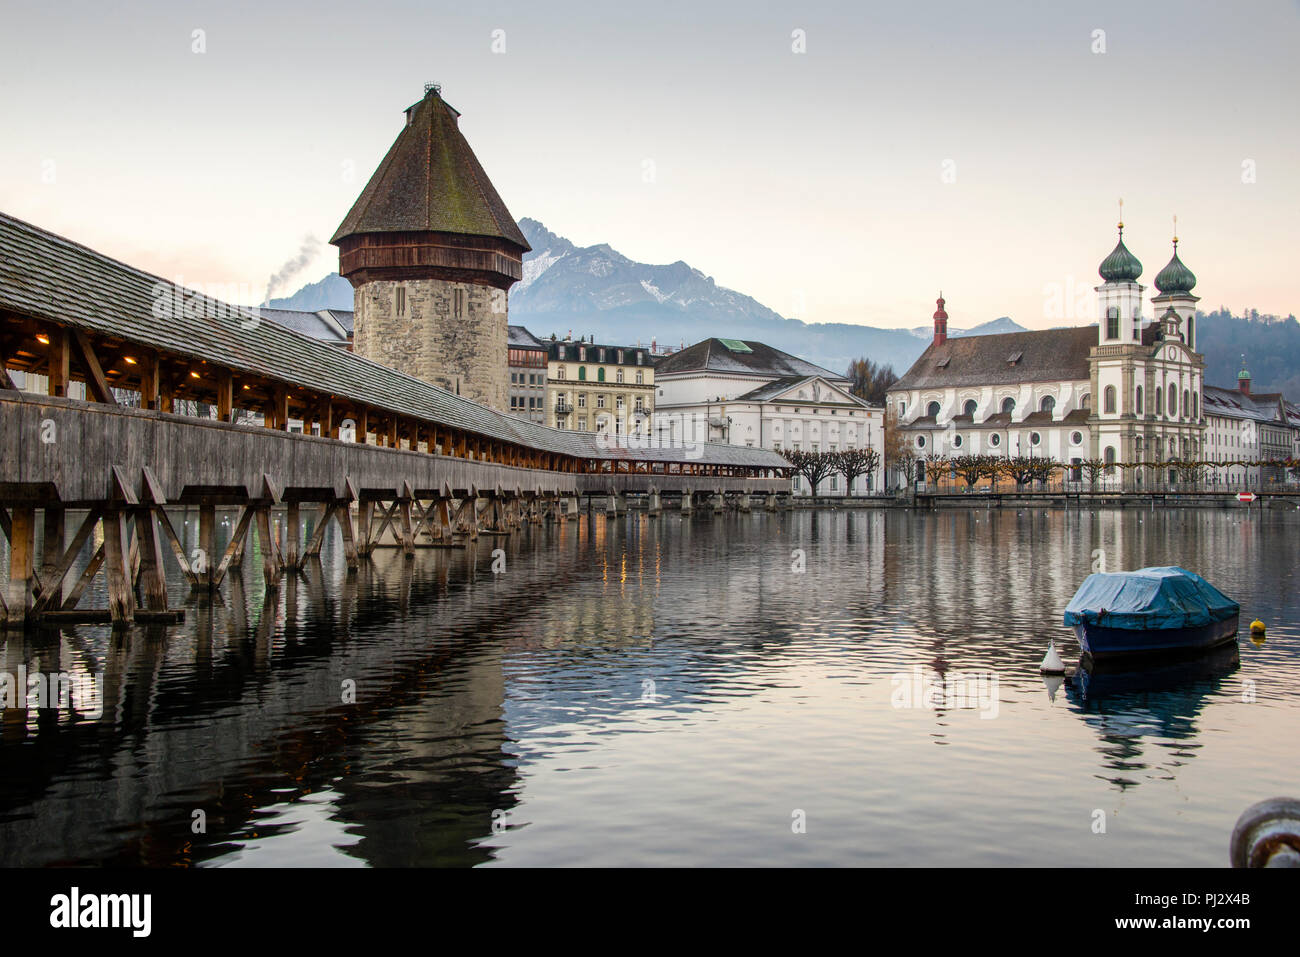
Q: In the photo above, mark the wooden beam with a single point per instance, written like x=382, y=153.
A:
x=225, y=395
x=60, y=371
x=149, y=381
x=94, y=372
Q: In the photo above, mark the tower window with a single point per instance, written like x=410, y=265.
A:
x=1138, y=401
x=1108, y=398
x=1112, y=322
x=401, y=300
x=459, y=304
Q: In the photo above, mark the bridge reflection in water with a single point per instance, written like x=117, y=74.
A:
x=658, y=690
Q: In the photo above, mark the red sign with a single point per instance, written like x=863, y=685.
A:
x=1245, y=496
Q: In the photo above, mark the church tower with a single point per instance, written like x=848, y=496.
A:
x=431, y=250
x=1119, y=298
x=1175, y=283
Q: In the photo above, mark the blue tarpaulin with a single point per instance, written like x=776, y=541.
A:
x=1164, y=597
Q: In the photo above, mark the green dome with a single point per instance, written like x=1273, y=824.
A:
x=1175, y=277
x=1121, y=265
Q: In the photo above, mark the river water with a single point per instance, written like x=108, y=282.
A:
x=805, y=688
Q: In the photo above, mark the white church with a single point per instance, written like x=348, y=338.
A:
x=1123, y=390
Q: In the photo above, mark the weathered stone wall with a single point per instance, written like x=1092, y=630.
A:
x=463, y=351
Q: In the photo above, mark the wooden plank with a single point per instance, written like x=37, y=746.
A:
x=318, y=534
x=87, y=576
x=51, y=594
x=177, y=548
x=235, y=547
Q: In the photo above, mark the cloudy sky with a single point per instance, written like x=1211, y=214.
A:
x=974, y=148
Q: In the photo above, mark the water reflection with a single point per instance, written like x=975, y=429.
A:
x=656, y=691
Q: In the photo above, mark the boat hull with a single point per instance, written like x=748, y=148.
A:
x=1101, y=642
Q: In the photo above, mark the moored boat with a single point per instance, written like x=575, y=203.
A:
x=1150, y=611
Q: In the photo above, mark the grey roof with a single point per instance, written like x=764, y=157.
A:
x=48, y=277
x=431, y=180
x=771, y=390
x=521, y=338
x=1045, y=355
x=311, y=323
x=1265, y=407
x=712, y=355
x=571, y=353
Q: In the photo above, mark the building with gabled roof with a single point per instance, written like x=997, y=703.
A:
x=1121, y=391
x=431, y=250
x=749, y=393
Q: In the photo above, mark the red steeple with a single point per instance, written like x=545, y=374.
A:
x=940, y=323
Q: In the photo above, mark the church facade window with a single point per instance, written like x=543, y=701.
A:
x=1108, y=400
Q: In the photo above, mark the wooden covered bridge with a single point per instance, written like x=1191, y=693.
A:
x=136, y=366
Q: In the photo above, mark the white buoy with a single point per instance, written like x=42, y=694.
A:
x=1052, y=663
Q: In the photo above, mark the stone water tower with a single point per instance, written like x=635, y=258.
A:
x=431, y=250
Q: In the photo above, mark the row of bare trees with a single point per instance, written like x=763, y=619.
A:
x=1027, y=470
x=816, y=467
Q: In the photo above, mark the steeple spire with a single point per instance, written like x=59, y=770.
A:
x=940, y=322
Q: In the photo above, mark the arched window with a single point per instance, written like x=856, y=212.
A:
x=1108, y=400
x=1196, y=406
x=1110, y=459
x=1008, y=405
x=1047, y=405
x=1191, y=332
x=1085, y=401
x=1173, y=400
x=969, y=407
x=1187, y=403
x=1137, y=405
x=582, y=373
x=600, y=374
x=1160, y=401
x=932, y=409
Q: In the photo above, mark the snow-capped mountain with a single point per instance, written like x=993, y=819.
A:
x=560, y=277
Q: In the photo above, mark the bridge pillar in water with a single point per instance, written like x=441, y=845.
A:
x=616, y=504
x=769, y=502
x=652, y=504
x=742, y=502
x=718, y=501
x=687, y=504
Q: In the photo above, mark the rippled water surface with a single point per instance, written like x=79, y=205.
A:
x=672, y=691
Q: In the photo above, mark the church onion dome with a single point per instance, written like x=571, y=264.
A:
x=1121, y=265
x=1175, y=277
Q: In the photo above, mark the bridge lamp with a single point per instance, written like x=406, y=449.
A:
x=194, y=374
x=43, y=339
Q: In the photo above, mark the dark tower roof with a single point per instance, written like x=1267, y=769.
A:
x=431, y=181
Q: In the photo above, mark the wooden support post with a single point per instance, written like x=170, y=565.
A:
x=52, y=593
x=365, y=512
x=117, y=550
x=271, y=565
x=292, y=538
x=60, y=362
x=204, y=565
x=177, y=548
x=150, y=387
x=153, y=581
x=363, y=426
x=166, y=389
x=22, y=548
x=404, y=528
x=225, y=395
x=344, y=513
x=52, y=554
x=87, y=576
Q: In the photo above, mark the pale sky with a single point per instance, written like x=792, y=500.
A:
x=814, y=181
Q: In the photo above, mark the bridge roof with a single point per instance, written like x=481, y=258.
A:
x=45, y=276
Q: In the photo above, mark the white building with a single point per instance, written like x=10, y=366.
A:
x=1244, y=430
x=1121, y=391
x=748, y=393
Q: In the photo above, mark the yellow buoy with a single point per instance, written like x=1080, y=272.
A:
x=1257, y=627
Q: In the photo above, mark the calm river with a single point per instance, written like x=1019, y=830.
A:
x=806, y=688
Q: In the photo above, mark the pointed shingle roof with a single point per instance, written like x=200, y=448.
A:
x=431, y=181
